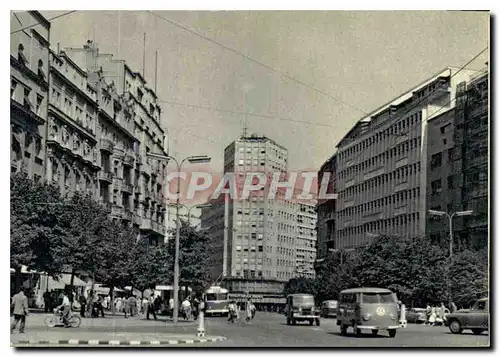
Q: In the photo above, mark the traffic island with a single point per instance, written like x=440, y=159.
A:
x=165, y=341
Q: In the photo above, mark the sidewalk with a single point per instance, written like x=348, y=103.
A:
x=110, y=331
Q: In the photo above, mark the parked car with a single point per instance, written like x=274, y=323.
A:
x=416, y=315
x=475, y=319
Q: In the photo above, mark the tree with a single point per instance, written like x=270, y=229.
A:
x=150, y=265
x=193, y=258
x=469, y=277
x=36, y=235
x=85, y=222
x=300, y=286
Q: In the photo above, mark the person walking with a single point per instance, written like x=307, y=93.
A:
x=453, y=307
x=248, y=310
x=20, y=304
x=233, y=312
x=186, y=309
x=46, y=301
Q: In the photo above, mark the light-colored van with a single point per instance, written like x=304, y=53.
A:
x=371, y=309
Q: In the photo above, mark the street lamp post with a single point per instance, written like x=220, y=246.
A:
x=450, y=220
x=192, y=160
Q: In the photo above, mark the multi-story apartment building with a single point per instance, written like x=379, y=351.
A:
x=305, y=239
x=382, y=163
x=326, y=238
x=458, y=166
x=29, y=91
x=72, y=147
x=127, y=128
x=268, y=241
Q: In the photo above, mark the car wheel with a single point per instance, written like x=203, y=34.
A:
x=317, y=322
x=374, y=332
x=455, y=326
x=392, y=333
x=477, y=331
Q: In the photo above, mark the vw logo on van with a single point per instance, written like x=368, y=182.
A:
x=380, y=311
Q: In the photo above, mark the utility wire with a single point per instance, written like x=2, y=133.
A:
x=243, y=113
x=257, y=62
x=423, y=100
x=51, y=19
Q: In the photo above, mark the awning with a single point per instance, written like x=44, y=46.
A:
x=64, y=279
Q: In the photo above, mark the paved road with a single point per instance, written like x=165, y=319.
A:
x=267, y=330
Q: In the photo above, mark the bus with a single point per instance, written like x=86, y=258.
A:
x=216, y=301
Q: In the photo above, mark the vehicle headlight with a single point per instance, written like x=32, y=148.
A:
x=366, y=317
x=393, y=316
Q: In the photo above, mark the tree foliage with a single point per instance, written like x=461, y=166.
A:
x=193, y=257
x=413, y=268
x=300, y=286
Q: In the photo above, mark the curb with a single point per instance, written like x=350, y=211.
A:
x=40, y=343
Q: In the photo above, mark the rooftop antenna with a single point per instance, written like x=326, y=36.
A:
x=144, y=57
x=156, y=68
x=245, y=128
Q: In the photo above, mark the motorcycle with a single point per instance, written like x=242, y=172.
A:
x=57, y=319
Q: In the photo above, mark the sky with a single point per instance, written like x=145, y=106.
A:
x=346, y=64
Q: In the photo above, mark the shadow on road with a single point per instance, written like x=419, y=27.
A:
x=365, y=335
x=469, y=333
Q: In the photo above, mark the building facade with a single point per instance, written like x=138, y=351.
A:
x=458, y=161
x=128, y=128
x=268, y=241
x=326, y=238
x=29, y=92
x=382, y=163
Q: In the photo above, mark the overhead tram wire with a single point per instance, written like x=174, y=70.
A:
x=51, y=19
x=423, y=100
x=264, y=116
x=257, y=62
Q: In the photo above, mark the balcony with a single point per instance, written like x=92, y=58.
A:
x=145, y=224
x=400, y=210
x=116, y=211
x=146, y=168
x=118, y=153
x=127, y=215
x=128, y=160
x=106, y=176
x=401, y=186
x=107, y=145
x=138, y=159
x=402, y=162
x=374, y=173
x=127, y=188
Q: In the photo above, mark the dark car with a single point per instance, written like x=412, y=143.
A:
x=475, y=319
x=329, y=308
x=416, y=315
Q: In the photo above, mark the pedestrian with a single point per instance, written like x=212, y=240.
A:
x=171, y=307
x=20, y=305
x=83, y=304
x=118, y=305
x=196, y=305
x=104, y=302
x=99, y=306
x=186, y=309
x=144, y=305
x=453, y=307
x=428, y=312
x=46, y=301
x=253, y=310
x=248, y=310
x=233, y=312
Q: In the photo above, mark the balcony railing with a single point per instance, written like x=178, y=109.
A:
x=106, y=176
x=107, y=145
x=128, y=160
x=116, y=211
x=127, y=188
x=127, y=215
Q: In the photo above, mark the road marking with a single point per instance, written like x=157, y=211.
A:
x=93, y=342
x=114, y=342
x=189, y=341
x=135, y=342
x=173, y=342
x=73, y=342
x=154, y=342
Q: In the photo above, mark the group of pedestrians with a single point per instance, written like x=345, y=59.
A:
x=436, y=315
x=233, y=308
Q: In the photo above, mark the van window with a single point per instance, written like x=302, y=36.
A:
x=377, y=298
x=348, y=298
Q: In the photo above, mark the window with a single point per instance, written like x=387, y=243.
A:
x=21, y=57
x=41, y=71
x=451, y=182
x=13, y=86
x=436, y=160
x=39, y=101
x=27, y=102
x=444, y=128
x=436, y=186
